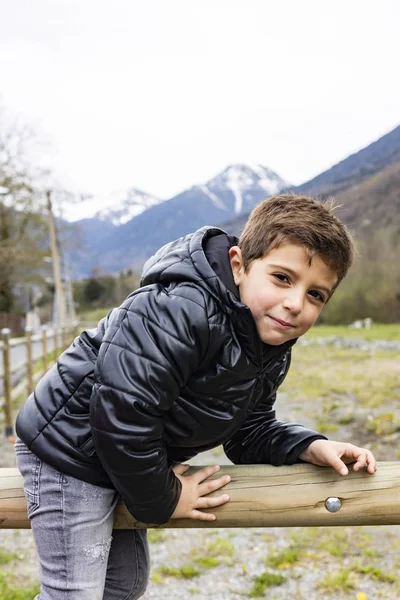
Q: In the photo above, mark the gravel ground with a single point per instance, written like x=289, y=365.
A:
x=242, y=552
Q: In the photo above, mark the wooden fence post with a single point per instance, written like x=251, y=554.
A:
x=44, y=348
x=29, y=370
x=8, y=421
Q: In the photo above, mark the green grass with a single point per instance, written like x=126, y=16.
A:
x=385, y=424
x=336, y=543
x=342, y=543
x=378, y=331
x=373, y=378
x=186, y=571
x=375, y=573
x=218, y=551
x=9, y=592
x=284, y=559
x=212, y=554
x=339, y=581
x=156, y=535
x=94, y=315
x=264, y=581
x=346, y=419
x=219, y=548
x=207, y=562
x=6, y=557
x=326, y=427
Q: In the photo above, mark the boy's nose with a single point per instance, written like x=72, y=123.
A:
x=294, y=302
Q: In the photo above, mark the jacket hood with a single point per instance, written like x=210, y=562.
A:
x=185, y=260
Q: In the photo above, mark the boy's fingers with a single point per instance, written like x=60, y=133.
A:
x=180, y=469
x=210, y=486
x=211, y=502
x=205, y=472
x=361, y=462
x=361, y=457
x=366, y=459
x=371, y=462
x=201, y=516
x=338, y=465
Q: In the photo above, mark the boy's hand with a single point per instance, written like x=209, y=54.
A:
x=194, y=488
x=325, y=453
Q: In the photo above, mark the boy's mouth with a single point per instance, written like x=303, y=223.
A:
x=281, y=323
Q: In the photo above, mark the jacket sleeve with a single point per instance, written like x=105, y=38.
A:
x=263, y=440
x=148, y=354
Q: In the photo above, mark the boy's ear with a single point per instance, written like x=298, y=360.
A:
x=236, y=261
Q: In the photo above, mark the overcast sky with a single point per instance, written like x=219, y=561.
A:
x=163, y=94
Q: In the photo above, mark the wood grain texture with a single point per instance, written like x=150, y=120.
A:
x=264, y=496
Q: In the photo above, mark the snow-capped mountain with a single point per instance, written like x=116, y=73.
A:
x=242, y=180
x=123, y=205
x=233, y=192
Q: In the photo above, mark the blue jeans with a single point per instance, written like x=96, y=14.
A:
x=80, y=556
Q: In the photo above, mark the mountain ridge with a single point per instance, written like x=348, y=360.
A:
x=235, y=190
x=226, y=199
x=356, y=167
x=126, y=204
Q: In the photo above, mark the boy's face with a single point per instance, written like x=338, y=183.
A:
x=285, y=290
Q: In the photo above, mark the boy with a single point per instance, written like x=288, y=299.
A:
x=191, y=360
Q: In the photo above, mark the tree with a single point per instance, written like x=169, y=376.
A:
x=23, y=228
x=93, y=290
x=372, y=287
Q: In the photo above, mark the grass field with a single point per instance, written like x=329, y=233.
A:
x=93, y=316
x=378, y=331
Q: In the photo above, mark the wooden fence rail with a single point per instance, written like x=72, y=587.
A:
x=265, y=496
x=19, y=360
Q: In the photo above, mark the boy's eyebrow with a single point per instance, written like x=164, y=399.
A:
x=293, y=273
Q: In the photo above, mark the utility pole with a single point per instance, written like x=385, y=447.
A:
x=71, y=314
x=59, y=288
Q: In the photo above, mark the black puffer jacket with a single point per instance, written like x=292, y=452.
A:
x=179, y=368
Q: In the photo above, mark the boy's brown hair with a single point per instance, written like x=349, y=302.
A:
x=299, y=220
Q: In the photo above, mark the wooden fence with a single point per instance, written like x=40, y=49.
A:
x=265, y=496
x=26, y=359
x=261, y=495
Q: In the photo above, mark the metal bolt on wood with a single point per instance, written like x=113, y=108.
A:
x=333, y=504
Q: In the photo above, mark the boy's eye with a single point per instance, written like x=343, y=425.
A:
x=317, y=295
x=281, y=277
